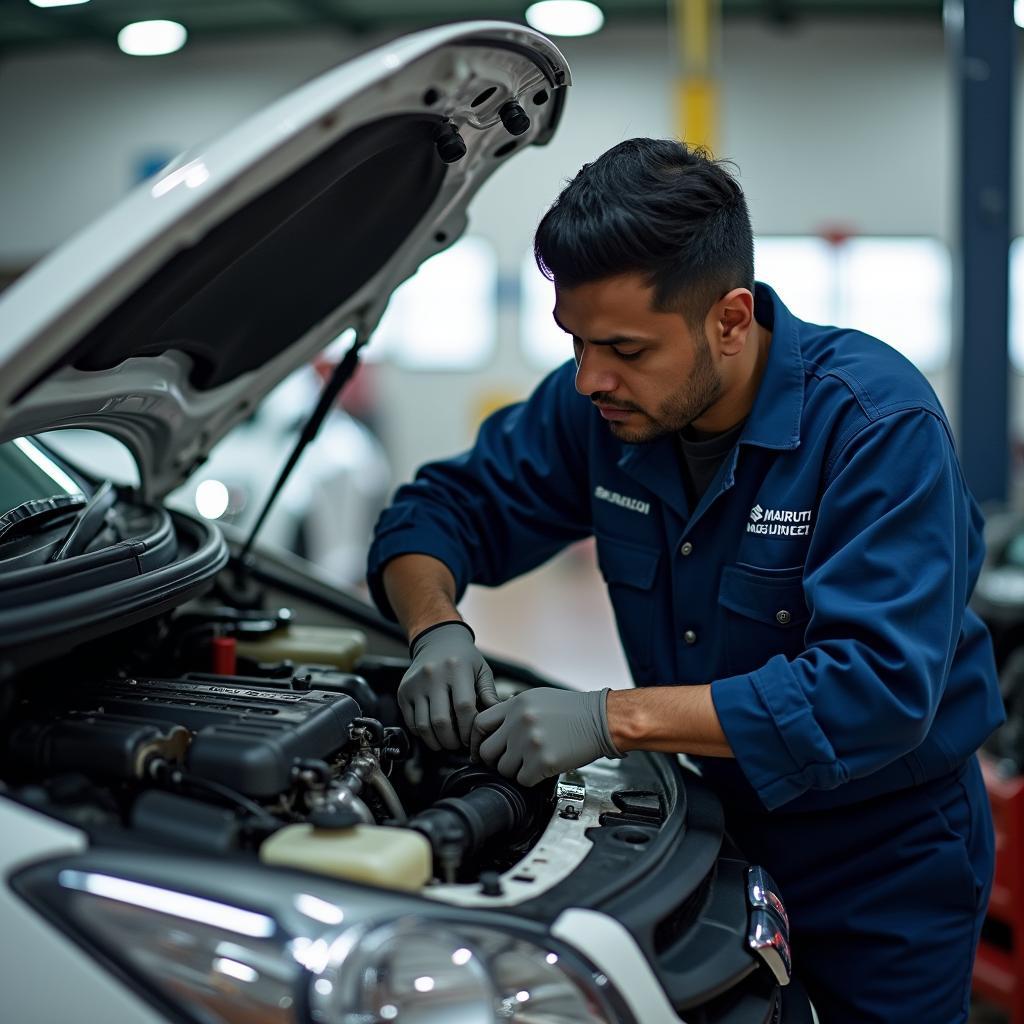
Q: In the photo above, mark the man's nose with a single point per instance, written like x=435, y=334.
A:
x=593, y=374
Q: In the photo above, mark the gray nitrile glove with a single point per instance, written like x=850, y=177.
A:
x=447, y=683
x=542, y=732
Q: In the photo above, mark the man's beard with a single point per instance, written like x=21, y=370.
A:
x=689, y=402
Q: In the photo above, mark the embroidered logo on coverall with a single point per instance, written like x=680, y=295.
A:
x=633, y=504
x=780, y=522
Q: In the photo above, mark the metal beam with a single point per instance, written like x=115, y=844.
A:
x=982, y=43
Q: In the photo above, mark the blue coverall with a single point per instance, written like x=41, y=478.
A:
x=821, y=586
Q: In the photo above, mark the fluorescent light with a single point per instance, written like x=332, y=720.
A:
x=565, y=17
x=1018, y=12
x=151, y=38
x=57, y=3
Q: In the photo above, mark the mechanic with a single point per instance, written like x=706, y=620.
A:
x=789, y=547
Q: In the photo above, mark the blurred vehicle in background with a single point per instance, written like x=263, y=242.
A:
x=328, y=506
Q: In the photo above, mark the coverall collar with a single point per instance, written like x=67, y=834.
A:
x=774, y=421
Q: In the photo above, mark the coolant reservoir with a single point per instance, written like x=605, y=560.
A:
x=393, y=858
x=315, y=645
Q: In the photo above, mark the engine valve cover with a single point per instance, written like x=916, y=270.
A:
x=243, y=736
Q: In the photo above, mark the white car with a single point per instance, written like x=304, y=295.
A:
x=209, y=808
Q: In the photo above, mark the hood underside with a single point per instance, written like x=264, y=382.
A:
x=169, y=319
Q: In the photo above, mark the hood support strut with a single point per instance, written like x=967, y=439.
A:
x=342, y=374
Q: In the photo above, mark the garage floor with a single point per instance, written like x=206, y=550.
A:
x=557, y=619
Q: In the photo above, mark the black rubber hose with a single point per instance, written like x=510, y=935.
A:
x=457, y=827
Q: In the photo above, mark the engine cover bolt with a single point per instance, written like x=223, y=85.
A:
x=514, y=118
x=450, y=144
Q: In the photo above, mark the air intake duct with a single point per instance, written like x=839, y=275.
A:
x=485, y=807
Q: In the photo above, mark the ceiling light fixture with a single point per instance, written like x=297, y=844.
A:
x=57, y=3
x=565, y=17
x=1018, y=12
x=151, y=38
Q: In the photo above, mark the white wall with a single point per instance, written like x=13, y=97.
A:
x=836, y=123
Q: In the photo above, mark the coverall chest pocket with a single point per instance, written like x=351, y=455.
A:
x=630, y=570
x=764, y=614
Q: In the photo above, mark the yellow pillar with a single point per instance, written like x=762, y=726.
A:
x=696, y=31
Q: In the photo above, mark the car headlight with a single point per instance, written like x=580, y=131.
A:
x=417, y=972
x=301, y=958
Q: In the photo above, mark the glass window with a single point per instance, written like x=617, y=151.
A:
x=445, y=316
x=543, y=343
x=27, y=473
x=898, y=289
x=802, y=270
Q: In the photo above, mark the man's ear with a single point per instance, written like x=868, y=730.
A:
x=731, y=319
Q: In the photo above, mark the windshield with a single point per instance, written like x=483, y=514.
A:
x=28, y=473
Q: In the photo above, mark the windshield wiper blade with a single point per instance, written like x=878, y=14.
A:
x=89, y=522
x=37, y=513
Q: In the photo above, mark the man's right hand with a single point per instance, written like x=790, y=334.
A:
x=447, y=683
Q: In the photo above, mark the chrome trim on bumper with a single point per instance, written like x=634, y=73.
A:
x=768, y=933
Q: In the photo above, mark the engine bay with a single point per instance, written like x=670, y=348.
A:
x=270, y=739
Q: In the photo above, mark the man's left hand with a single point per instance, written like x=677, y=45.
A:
x=542, y=732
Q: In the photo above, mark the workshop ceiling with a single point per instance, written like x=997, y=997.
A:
x=24, y=26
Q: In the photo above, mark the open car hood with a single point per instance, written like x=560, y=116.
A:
x=166, y=321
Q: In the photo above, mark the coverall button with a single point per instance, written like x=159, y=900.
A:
x=783, y=617
x=690, y=637
x=686, y=548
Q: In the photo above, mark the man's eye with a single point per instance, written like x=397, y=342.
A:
x=628, y=356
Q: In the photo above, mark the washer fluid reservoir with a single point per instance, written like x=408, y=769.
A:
x=393, y=858
x=308, y=645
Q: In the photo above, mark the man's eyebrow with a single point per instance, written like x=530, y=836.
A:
x=620, y=339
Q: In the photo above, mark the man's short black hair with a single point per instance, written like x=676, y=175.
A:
x=656, y=207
